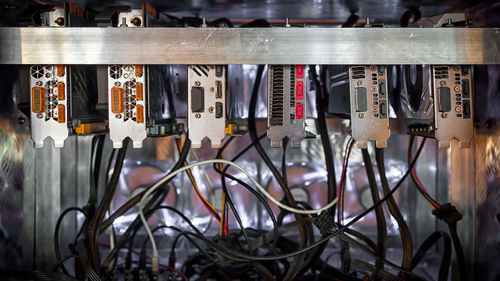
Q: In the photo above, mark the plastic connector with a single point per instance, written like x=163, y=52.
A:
x=448, y=213
x=325, y=223
x=154, y=267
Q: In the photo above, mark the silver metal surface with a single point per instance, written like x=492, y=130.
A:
x=369, y=105
x=453, y=104
x=286, y=103
x=126, y=123
x=47, y=124
x=249, y=46
x=209, y=120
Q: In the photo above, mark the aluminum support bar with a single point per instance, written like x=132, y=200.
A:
x=249, y=45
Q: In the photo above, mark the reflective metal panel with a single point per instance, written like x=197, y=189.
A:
x=249, y=46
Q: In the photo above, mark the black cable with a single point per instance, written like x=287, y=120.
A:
x=106, y=200
x=159, y=194
x=252, y=130
x=242, y=183
x=426, y=245
x=321, y=92
x=240, y=256
x=395, y=212
x=419, y=189
x=56, y=234
x=379, y=212
x=60, y=262
x=459, y=252
x=283, y=161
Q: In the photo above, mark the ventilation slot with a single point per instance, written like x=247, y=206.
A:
x=358, y=72
x=292, y=92
x=201, y=70
x=441, y=72
x=115, y=71
x=37, y=71
x=277, y=92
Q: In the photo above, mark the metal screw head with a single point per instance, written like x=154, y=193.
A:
x=118, y=116
x=211, y=109
x=212, y=89
x=39, y=83
x=197, y=83
x=442, y=83
x=457, y=89
x=39, y=116
x=374, y=88
x=456, y=68
x=444, y=115
x=117, y=84
x=458, y=109
x=197, y=115
x=136, y=21
x=60, y=21
x=360, y=83
x=361, y=115
x=373, y=67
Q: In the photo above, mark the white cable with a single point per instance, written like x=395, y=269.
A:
x=212, y=161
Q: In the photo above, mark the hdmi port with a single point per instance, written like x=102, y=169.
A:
x=218, y=93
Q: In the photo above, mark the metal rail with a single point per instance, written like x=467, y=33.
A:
x=249, y=46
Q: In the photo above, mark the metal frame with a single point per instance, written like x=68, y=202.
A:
x=249, y=46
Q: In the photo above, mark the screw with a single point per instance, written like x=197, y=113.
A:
x=136, y=21
x=39, y=116
x=444, y=115
x=211, y=109
x=457, y=88
x=374, y=88
x=197, y=83
x=60, y=21
x=212, y=89
x=373, y=67
x=197, y=115
x=360, y=83
x=118, y=116
x=117, y=84
x=361, y=115
x=442, y=83
x=456, y=68
x=458, y=109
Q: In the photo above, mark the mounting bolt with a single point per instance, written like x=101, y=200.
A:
x=444, y=115
x=457, y=89
x=136, y=21
x=361, y=115
x=360, y=83
x=373, y=67
x=117, y=84
x=212, y=89
x=60, y=21
x=197, y=83
x=39, y=116
x=442, y=83
x=118, y=116
x=456, y=68
x=458, y=109
x=197, y=115
x=211, y=109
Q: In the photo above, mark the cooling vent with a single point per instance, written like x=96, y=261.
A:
x=130, y=100
x=115, y=71
x=277, y=95
x=201, y=70
x=358, y=72
x=292, y=91
x=37, y=71
x=441, y=72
